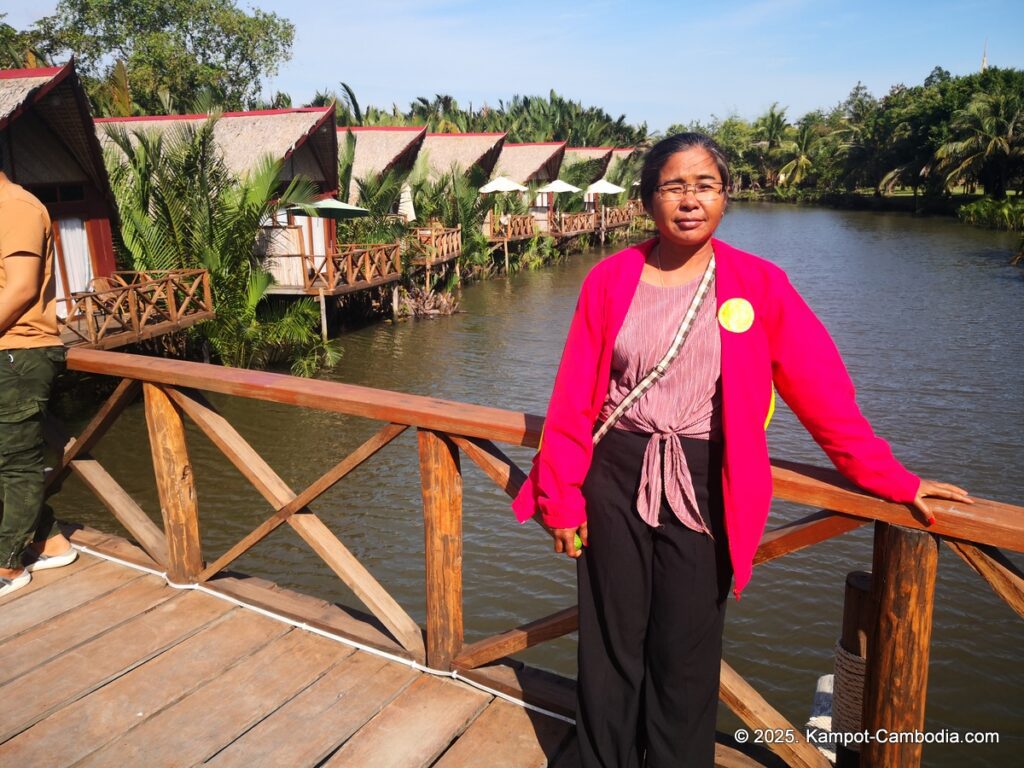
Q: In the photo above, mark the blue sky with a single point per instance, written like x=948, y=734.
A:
x=659, y=62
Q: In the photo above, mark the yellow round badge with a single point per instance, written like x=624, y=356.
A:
x=736, y=315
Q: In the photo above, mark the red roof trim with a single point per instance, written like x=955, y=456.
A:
x=15, y=74
x=594, y=149
x=535, y=144
x=368, y=128
x=252, y=113
x=463, y=135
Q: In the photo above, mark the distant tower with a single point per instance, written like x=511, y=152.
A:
x=984, y=56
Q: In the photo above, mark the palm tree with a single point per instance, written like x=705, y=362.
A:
x=802, y=148
x=989, y=146
x=770, y=134
x=181, y=209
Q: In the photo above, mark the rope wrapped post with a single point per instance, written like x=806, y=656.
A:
x=851, y=656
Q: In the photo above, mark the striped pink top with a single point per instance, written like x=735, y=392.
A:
x=686, y=401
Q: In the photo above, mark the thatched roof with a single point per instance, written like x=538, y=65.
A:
x=462, y=150
x=17, y=84
x=306, y=139
x=525, y=163
x=622, y=153
x=381, y=148
x=52, y=140
x=602, y=156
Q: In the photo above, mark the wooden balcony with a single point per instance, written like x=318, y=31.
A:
x=513, y=227
x=354, y=267
x=436, y=245
x=614, y=218
x=129, y=307
x=572, y=224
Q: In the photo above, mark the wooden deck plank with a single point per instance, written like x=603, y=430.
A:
x=109, y=544
x=52, y=638
x=534, y=686
x=415, y=728
x=509, y=736
x=45, y=578
x=338, y=619
x=339, y=704
x=204, y=722
x=93, y=721
x=45, y=604
x=87, y=667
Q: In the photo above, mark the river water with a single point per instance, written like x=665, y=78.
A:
x=929, y=318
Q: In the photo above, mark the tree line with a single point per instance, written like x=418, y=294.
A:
x=950, y=134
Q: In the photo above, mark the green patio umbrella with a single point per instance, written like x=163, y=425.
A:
x=329, y=208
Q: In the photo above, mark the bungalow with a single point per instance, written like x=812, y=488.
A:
x=530, y=163
x=380, y=149
x=305, y=139
x=48, y=145
x=462, y=151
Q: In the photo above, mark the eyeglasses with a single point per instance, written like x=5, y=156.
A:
x=705, y=191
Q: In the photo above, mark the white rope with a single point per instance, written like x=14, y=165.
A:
x=454, y=675
x=848, y=693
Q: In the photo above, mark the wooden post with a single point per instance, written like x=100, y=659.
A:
x=175, y=484
x=857, y=618
x=903, y=586
x=323, y=315
x=441, y=480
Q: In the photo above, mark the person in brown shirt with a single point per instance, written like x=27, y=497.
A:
x=31, y=353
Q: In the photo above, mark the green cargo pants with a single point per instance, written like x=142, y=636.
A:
x=25, y=379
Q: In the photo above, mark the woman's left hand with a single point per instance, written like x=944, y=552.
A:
x=938, y=490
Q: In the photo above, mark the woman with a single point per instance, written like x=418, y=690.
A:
x=672, y=500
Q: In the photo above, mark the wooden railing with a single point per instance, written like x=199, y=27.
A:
x=129, y=307
x=353, y=267
x=514, y=227
x=576, y=223
x=905, y=553
x=436, y=245
x=612, y=218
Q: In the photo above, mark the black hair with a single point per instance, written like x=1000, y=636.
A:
x=659, y=154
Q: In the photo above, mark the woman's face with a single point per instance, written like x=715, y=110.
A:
x=688, y=221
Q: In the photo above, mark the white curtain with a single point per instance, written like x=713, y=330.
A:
x=77, y=261
x=319, y=245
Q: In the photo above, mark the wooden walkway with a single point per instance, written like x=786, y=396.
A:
x=104, y=665
x=110, y=663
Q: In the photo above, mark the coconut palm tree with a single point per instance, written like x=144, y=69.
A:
x=770, y=135
x=801, y=163
x=989, y=143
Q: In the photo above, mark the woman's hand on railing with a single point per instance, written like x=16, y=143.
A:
x=569, y=540
x=937, y=490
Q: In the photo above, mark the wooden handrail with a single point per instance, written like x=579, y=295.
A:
x=904, y=556
x=134, y=306
x=985, y=522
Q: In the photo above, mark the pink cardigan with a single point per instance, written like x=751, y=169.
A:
x=785, y=346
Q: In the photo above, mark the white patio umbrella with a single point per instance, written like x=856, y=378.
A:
x=558, y=186
x=501, y=184
x=604, y=187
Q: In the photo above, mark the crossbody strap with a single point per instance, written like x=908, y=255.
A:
x=658, y=371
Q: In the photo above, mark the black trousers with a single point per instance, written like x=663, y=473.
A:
x=652, y=611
